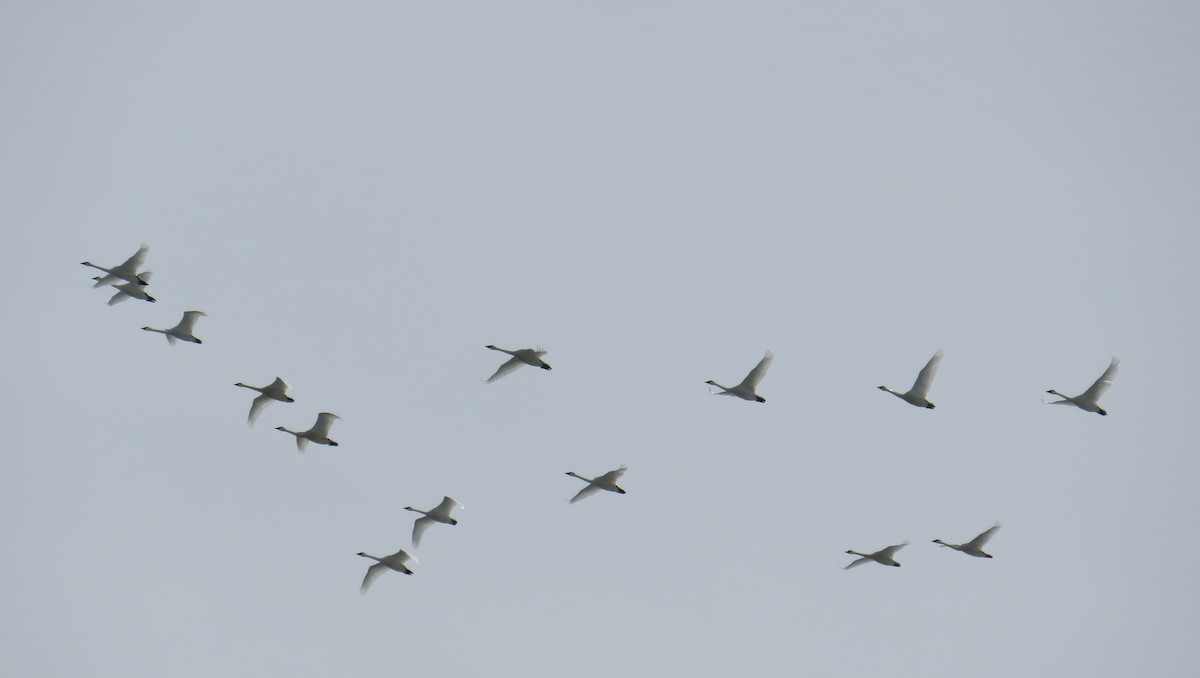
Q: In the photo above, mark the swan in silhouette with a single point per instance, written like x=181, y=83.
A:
x=745, y=390
x=183, y=330
x=319, y=433
x=276, y=390
x=398, y=561
x=920, y=388
x=975, y=546
x=132, y=290
x=882, y=556
x=608, y=481
x=126, y=270
x=1089, y=400
x=438, y=514
x=521, y=356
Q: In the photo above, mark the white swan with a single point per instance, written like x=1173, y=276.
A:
x=882, y=556
x=438, y=514
x=398, y=561
x=975, y=546
x=521, y=356
x=319, y=433
x=745, y=390
x=920, y=389
x=126, y=270
x=132, y=290
x=1089, y=400
x=183, y=330
x=276, y=390
x=608, y=481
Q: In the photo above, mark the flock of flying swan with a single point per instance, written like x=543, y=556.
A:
x=132, y=283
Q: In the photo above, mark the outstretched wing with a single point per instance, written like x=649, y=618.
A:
x=926, y=375
x=279, y=386
x=373, y=573
x=419, y=526
x=119, y=296
x=983, y=538
x=256, y=408
x=324, y=423
x=188, y=323
x=891, y=550
x=135, y=262
x=858, y=562
x=506, y=369
x=751, y=381
x=586, y=492
x=1098, y=389
x=447, y=505
x=613, y=476
x=301, y=444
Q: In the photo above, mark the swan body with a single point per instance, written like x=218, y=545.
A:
x=319, y=433
x=126, y=270
x=882, y=556
x=975, y=546
x=183, y=330
x=1089, y=400
x=132, y=290
x=276, y=390
x=746, y=389
x=919, y=393
x=608, y=481
x=521, y=356
x=438, y=514
x=398, y=561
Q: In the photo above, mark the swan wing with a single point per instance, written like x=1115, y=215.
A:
x=133, y=263
x=188, y=323
x=891, y=550
x=506, y=369
x=443, y=509
x=752, y=380
x=1098, y=389
x=120, y=296
x=858, y=562
x=324, y=423
x=983, y=538
x=612, y=476
x=373, y=573
x=256, y=408
x=279, y=387
x=586, y=492
x=419, y=526
x=926, y=375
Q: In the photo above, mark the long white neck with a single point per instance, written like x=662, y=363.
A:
x=368, y=555
x=864, y=555
x=252, y=388
x=151, y=329
x=572, y=473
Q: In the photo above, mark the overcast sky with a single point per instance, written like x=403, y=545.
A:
x=362, y=195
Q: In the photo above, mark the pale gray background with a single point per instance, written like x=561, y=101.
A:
x=364, y=194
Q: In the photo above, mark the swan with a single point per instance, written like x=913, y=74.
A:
x=920, y=388
x=183, y=330
x=319, y=433
x=126, y=270
x=882, y=556
x=1089, y=400
x=527, y=356
x=975, y=546
x=276, y=390
x=397, y=561
x=132, y=290
x=608, y=481
x=439, y=514
x=745, y=390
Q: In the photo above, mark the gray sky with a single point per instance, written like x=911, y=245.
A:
x=363, y=195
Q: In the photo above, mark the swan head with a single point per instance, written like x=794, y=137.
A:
x=883, y=388
x=760, y=399
x=492, y=346
x=409, y=508
x=148, y=328
x=938, y=541
x=280, y=428
x=1052, y=391
x=710, y=381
